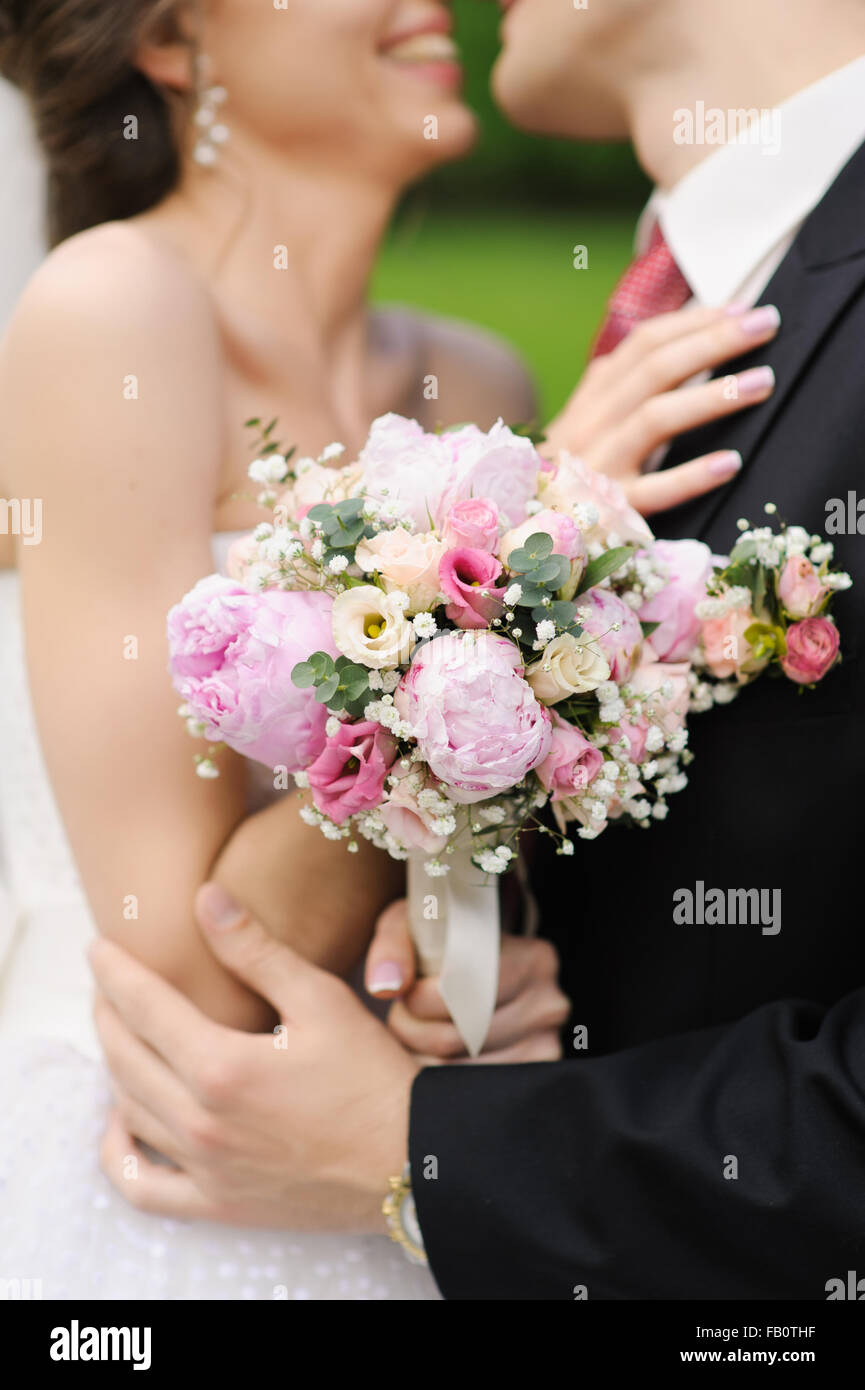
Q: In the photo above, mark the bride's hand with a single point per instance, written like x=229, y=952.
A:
x=530, y=1008
x=634, y=400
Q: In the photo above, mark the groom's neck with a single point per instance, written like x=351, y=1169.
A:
x=741, y=64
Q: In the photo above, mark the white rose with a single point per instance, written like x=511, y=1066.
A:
x=369, y=627
x=405, y=561
x=568, y=667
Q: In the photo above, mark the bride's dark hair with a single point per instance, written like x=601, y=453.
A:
x=73, y=59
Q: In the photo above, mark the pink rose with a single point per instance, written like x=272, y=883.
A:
x=812, y=650
x=666, y=682
x=635, y=737
x=725, y=648
x=615, y=628
x=231, y=658
x=690, y=564
x=572, y=762
x=473, y=523
x=573, y=483
x=467, y=578
x=566, y=535
x=348, y=775
x=799, y=588
x=407, y=820
x=476, y=721
x=406, y=560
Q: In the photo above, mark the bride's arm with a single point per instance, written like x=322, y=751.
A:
x=111, y=410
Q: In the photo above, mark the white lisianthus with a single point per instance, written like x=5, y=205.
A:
x=369, y=628
x=567, y=667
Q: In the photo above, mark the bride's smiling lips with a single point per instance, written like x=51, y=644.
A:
x=426, y=50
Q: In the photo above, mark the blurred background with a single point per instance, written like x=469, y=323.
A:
x=492, y=239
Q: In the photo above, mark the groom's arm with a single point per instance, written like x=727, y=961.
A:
x=725, y=1163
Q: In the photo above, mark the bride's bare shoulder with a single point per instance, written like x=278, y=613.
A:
x=109, y=318
x=111, y=283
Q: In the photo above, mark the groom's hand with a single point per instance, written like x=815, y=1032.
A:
x=530, y=1007
x=298, y=1129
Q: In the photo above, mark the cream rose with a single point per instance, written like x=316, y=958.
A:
x=370, y=627
x=569, y=666
x=405, y=561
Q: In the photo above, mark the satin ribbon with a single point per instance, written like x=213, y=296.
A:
x=456, y=927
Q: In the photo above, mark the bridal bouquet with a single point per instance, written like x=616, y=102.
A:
x=444, y=636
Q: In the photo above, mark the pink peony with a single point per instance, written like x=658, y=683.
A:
x=348, y=775
x=799, y=588
x=473, y=523
x=606, y=612
x=429, y=473
x=467, y=579
x=690, y=564
x=476, y=721
x=572, y=482
x=572, y=762
x=812, y=650
x=232, y=654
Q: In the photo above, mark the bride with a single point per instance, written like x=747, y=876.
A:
x=219, y=180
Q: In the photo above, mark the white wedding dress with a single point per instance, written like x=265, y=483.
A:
x=61, y=1222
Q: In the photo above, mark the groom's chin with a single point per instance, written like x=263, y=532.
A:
x=552, y=103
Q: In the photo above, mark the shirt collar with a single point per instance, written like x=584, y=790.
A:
x=728, y=214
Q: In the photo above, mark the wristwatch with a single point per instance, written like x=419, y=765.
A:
x=400, y=1213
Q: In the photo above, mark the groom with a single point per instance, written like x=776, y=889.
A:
x=706, y=1137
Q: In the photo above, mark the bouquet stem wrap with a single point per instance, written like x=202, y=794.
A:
x=456, y=928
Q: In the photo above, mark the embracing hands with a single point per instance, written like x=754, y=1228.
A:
x=634, y=400
x=300, y=1128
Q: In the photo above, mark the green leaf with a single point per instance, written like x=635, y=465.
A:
x=349, y=509
x=327, y=690
x=303, y=675
x=521, y=562
x=322, y=664
x=649, y=628
x=321, y=512
x=552, y=572
x=531, y=596
x=539, y=544
x=604, y=565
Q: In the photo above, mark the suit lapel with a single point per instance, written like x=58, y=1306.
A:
x=823, y=271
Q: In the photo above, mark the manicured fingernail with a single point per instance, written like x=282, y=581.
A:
x=726, y=464
x=755, y=381
x=217, y=910
x=386, y=977
x=762, y=320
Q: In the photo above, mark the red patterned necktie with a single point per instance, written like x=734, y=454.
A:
x=652, y=284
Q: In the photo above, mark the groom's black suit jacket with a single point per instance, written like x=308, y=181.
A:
x=710, y=1142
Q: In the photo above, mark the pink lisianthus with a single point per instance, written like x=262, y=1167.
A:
x=407, y=820
x=348, y=775
x=615, y=629
x=473, y=523
x=812, y=650
x=231, y=658
x=572, y=762
x=690, y=565
x=477, y=724
x=799, y=588
x=467, y=579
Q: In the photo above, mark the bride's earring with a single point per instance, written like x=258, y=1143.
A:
x=212, y=132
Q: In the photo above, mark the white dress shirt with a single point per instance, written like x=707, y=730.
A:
x=731, y=220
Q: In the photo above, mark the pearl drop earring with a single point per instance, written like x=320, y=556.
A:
x=213, y=133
